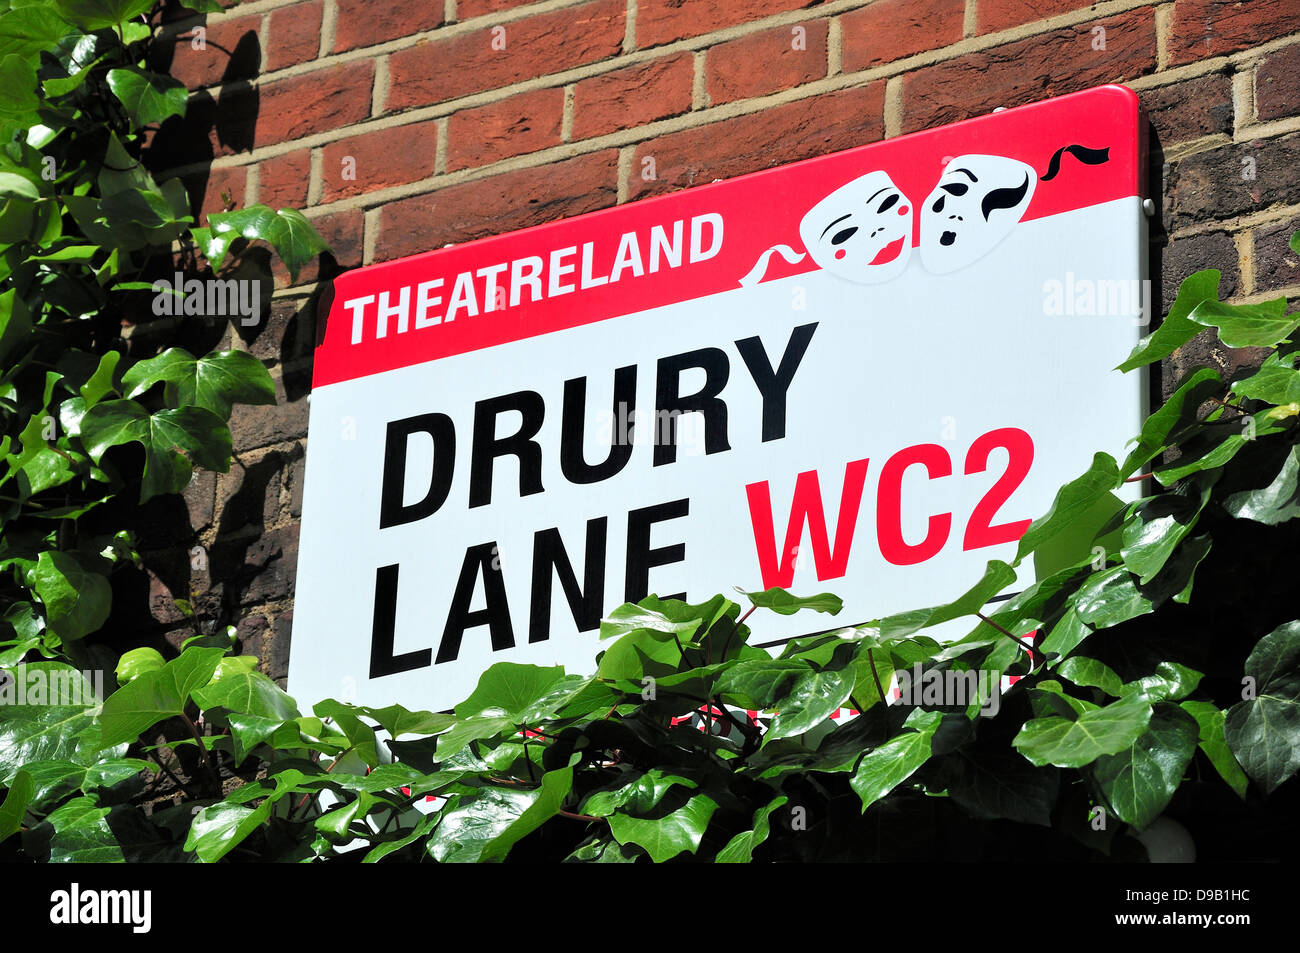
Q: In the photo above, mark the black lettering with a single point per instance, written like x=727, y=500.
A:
x=443, y=432
x=640, y=557
x=670, y=404
x=774, y=386
x=550, y=559
x=382, y=660
x=487, y=446
x=572, y=431
x=495, y=615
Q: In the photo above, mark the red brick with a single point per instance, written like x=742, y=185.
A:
x=1031, y=69
x=528, y=122
x=468, y=9
x=766, y=62
x=437, y=70
x=380, y=159
x=1277, y=84
x=892, y=29
x=991, y=15
x=282, y=181
x=1204, y=28
x=633, y=96
x=207, y=186
x=367, y=22
x=231, y=50
x=663, y=21
x=498, y=204
x=799, y=130
x=345, y=233
x=286, y=109
x=1190, y=109
x=293, y=35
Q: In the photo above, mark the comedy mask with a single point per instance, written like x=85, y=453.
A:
x=978, y=201
x=861, y=231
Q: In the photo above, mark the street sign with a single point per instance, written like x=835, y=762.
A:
x=864, y=373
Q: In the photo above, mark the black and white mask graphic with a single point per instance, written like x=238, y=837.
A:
x=862, y=231
x=978, y=201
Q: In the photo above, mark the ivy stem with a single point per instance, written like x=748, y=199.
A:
x=581, y=817
x=875, y=677
x=207, y=758
x=983, y=618
x=1140, y=476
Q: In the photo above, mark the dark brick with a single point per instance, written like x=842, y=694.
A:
x=1205, y=350
x=1276, y=265
x=277, y=660
x=1192, y=109
x=1232, y=180
x=200, y=497
x=1184, y=256
x=252, y=633
x=1277, y=84
x=273, y=558
x=253, y=426
x=293, y=475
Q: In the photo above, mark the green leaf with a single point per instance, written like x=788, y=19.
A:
x=18, y=98
x=1090, y=673
x=1275, y=503
x=1072, y=501
x=148, y=97
x=1212, y=740
x=998, y=783
x=554, y=789
x=137, y=662
x=12, y=184
x=1158, y=525
x=1264, y=731
x=1277, y=381
x=1110, y=597
x=154, y=696
x=47, y=727
x=997, y=576
x=198, y=432
x=508, y=688
x=77, y=599
x=219, y=828
x=636, y=797
x=1177, y=328
x=82, y=835
x=1072, y=744
x=287, y=231
x=93, y=15
x=1139, y=781
x=31, y=29
x=1247, y=325
x=756, y=684
x=469, y=826
x=14, y=807
x=1170, y=682
x=784, y=603
x=246, y=691
x=740, y=849
x=213, y=382
x=886, y=767
x=665, y=837
x=812, y=698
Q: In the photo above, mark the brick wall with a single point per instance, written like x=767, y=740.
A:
x=402, y=125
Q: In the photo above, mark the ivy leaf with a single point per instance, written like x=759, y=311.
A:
x=213, y=382
x=1139, y=781
x=636, y=797
x=137, y=662
x=287, y=231
x=665, y=837
x=1275, y=503
x=154, y=696
x=77, y=598
x=1158, y=525
x=1177, y=328
x=19, y=795
x=1072, y=501
x=219, y=828
x=1170, y=682
x=997, y=576
x=811, y=699
x=1072, y=744
x=784, y=603
x=248, y=692
x=469, y=826
x=1265, y=324
x=1277, y=381
x=93, y=15
x=554, y=789
x=82, y=835
x=755, y=684
x=194, y=430
x=18, y=98
x=1264, y=731
x=508, y=688
x=31, y=29
x=1110, y=597
x=1212, y=740
x=884, y=768
x=740, y=849
x=148, y=97
x=39, y=731
x=1000, y=784
x=1090, y=673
